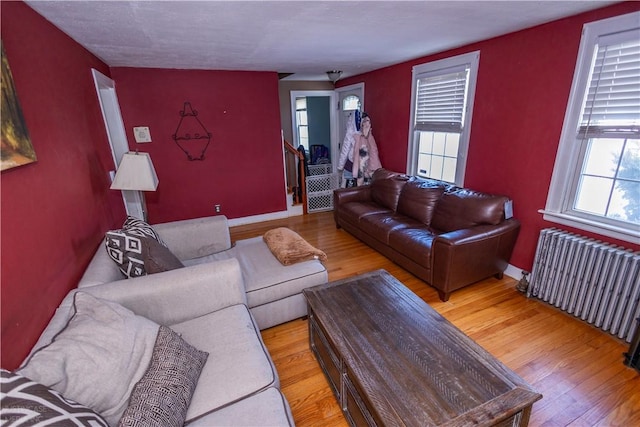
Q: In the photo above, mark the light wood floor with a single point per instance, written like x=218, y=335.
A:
x=578, y=368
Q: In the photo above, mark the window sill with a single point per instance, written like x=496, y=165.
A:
x=626, y=235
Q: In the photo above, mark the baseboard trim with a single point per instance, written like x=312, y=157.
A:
x=514, y=272
x=258, y=218
x=511, y=270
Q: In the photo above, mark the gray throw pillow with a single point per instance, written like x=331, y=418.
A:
x=98, y=357
x=26, y=403
x=158, y=258
x=161, y=398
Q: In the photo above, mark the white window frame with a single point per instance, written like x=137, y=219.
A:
x=558, y=208
x=472, y=59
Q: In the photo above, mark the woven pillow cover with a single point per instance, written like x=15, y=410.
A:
x=161, y=398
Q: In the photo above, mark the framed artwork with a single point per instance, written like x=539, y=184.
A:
x=15, y=148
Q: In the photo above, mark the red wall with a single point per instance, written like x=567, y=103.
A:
x=242, y=170
x=53, y=211
x=522, y=91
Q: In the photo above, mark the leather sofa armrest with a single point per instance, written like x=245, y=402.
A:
x=353, y=194
x=477, y=233
x=341, y=196
x=465, y=256
x=195, y=238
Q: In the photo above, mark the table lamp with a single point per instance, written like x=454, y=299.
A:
x=136, y=173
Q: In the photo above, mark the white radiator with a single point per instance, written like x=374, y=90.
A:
x=594, y=281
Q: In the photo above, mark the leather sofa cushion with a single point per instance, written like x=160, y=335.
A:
x=386, y=187
x=414, y=243
x=418, y=199
x=465, y=208
x=381, y=225
x=353, y=212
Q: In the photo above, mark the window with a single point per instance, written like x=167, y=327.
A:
x=442, y=102
x=350, y=103
x=596, y=178
x=303, y=124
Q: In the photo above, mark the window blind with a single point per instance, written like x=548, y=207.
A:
x=612, y=105
x=440, y=101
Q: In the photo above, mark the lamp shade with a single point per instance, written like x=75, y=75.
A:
x=135, y=172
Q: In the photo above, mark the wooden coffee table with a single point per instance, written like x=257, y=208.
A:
x=392, y=360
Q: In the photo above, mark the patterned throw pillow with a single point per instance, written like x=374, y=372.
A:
x=140, y=228
x=161, y=398
x=28, y=403
x=126, y=250
x=158, y=258
x=139, y=255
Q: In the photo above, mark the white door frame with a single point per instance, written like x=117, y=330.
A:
x=114, y=126
x=356, y=89
x=332, y=116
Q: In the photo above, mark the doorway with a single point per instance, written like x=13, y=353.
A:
x=350, y=98
x=313, y=119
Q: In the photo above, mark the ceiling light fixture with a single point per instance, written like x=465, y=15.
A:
x=334, y=75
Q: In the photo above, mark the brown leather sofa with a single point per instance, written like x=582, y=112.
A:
x=448, y=236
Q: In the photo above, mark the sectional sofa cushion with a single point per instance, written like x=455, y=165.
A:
x=161, y=398
x=27, y=403
x=466, y=208
x=418, y=199
x=265, y=279
x=98, y=357
x=261, y=409
x=242, y=363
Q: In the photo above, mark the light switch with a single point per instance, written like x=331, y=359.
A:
x=142, y=134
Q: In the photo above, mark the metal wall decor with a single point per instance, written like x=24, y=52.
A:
x=191, y=135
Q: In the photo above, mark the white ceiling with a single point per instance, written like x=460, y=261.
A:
x=302, y=37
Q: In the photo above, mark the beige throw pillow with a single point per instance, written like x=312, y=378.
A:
x=99, y=356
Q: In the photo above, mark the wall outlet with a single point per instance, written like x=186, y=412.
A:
x=217, y=208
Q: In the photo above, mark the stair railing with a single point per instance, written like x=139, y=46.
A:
x=300, y=176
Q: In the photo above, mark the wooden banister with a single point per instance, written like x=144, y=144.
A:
x=301, y=172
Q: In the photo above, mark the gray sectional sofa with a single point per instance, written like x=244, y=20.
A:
x=238, y=385
x=274, y=291
x=214, y=298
